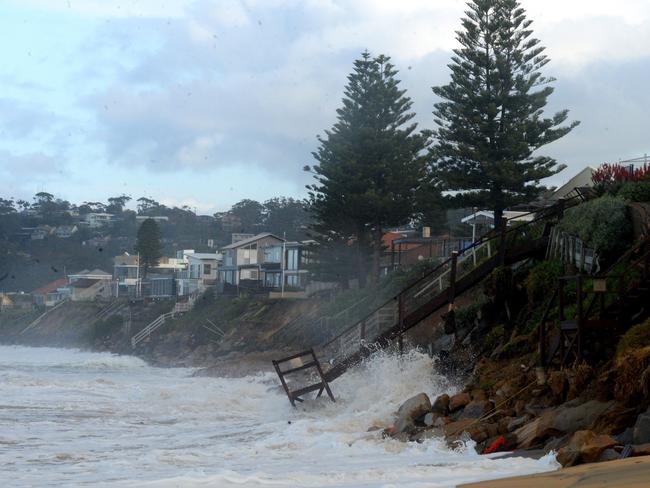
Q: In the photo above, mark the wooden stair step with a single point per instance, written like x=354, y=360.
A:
x=307, y=389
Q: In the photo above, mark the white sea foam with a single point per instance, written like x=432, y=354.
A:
x=70, y=418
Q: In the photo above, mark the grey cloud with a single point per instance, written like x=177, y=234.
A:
x=207, y=91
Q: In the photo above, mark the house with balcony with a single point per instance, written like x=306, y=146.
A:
x=126, y=273
x=242, y=260
x=285, y=262
x=201, y=272
x=95, y=220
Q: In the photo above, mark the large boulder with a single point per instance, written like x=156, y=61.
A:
x=441, y=405
x=411, y=410
x=476, y=409
x=476, y=431
x=615, y=420
x=584, y=447
x=459, y=401
x=567, y=418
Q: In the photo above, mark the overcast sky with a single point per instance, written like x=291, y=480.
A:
x=203, y=103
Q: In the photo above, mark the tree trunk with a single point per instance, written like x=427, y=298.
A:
x=361, y=258
x=377, y=249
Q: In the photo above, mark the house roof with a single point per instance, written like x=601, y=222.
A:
x=126, y=260
x=50, y=287
x=204, y=255
x=484, y=216
x=581, y=179
x=250, y=240
x=84, y=283
x=94, y=272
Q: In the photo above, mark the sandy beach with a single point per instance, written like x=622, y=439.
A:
x=625, y=473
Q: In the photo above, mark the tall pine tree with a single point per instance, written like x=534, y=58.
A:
x=490, y=120
x=148, y=245
x=369, y=169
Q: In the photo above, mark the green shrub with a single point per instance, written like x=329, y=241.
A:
x=466, y=316
x=495, y=335
x=602, y=223
x=498, y=281
x=107, y=327
x=541, y=280
x=635, y=191
x=635, y=338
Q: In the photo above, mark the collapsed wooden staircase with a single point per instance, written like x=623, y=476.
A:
x=428, y=294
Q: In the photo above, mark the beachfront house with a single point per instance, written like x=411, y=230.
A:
x=285, y=262
x=201, y=271
x=95, y=220
x=89, y=285
x=242, y=260
x=51, y=294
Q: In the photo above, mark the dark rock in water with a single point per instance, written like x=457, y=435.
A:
x=458, y=401
x=641, y=430
x=411, y=410
x=476, y=431
x=441, y=405
x=430, y=419
x=476, y=409
x=423, y=435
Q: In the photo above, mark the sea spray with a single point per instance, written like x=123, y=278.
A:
x=72, y=418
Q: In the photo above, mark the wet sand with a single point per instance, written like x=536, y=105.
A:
x=625, y=473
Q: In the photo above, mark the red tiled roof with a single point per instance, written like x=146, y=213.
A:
x=43, y=290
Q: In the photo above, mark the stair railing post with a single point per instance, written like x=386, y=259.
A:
x=561, y=204
x=452, y=278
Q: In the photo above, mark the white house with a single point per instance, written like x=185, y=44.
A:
x=201, y=271
x=97, y=219
x=65, y=231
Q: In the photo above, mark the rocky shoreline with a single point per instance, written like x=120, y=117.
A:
x=582, y=415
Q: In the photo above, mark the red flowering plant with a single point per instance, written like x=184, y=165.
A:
x=608, y=178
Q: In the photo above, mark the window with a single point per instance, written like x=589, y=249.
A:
x=272, y=280
x=272, y=254
x=207, y=269
x=292, y=259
